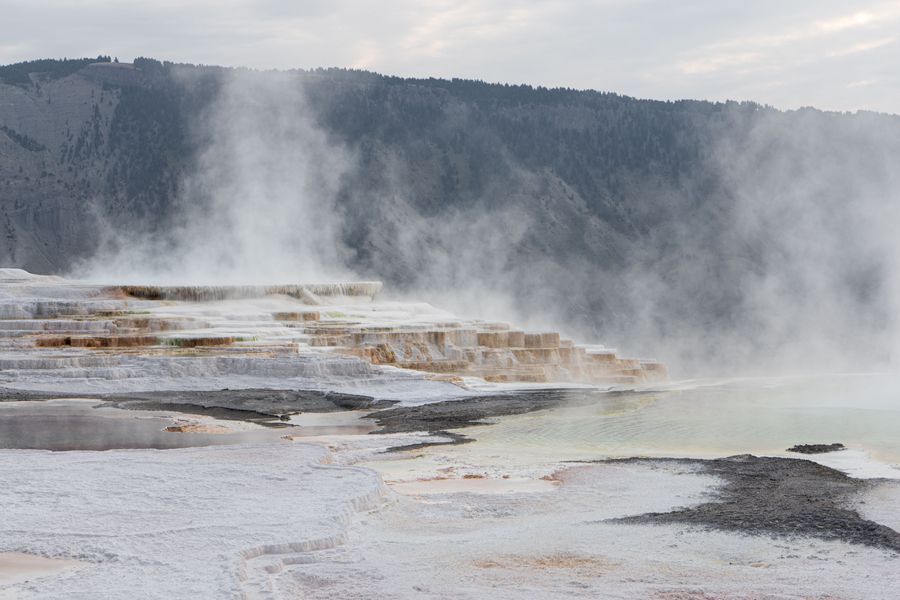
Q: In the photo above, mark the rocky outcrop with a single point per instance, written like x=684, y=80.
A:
x=816, y=448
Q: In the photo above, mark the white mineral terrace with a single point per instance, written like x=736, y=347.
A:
x=78, y=337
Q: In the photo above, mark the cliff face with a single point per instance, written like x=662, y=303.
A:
x=627, y=218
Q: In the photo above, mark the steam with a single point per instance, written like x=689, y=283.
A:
x=793, y=266
x=468, y=258
x=259, y=206
x=797, y=267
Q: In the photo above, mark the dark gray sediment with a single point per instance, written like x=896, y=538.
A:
x=17, y=395
x=269, y=404
x=778, y=496
x=271, y=407
x=456, y=414
x=450, y=439
x=265, y=406
x=816, y=448
x=245, y=404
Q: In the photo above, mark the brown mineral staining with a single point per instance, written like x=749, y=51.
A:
x=298, y=316
x=447, y=378
x=448, y=351
x=493, y=339
x=155, y=323
x=381, y=354
x=19, y=567
x=558, y=477
x=195, y=342
x=594, y=565
x=98, y=341
x=492, y=351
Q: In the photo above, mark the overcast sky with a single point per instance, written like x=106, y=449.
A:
x=840, y=55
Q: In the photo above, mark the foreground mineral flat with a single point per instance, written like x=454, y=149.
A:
x=320, y=441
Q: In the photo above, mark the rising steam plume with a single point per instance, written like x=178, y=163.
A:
x=776, y=251
x=258, y=207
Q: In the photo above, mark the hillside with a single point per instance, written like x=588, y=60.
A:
x=690, y=230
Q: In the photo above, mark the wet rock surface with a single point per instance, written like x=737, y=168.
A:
x=269, y=405
x=262, y=402
x=466, y=412
x=256, y=405
x=15, y=395
x=451, y=439
x=778, y=496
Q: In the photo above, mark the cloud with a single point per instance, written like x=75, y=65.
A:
x=792, y=45
x=863, y=47
x=452, y=24
x=648, y=48
x=710, y=64
x=846, y=22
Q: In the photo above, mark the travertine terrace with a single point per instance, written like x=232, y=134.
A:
x=94, y=331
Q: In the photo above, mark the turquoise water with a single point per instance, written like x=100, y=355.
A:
x=711, y=418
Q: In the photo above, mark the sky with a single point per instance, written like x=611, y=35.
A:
x=834, y=55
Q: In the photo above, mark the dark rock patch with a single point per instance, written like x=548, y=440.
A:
x=16, y=395
x=258, y=405
x=452, y=439
x=466, y=412
x=245, y=404
x=816, y=448
x=781, y=497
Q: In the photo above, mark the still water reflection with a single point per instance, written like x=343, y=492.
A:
x=83, y=425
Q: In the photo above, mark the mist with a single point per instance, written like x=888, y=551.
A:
x=257, y=206
x=796, y=267
x=790, y=265
x=775, y=251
